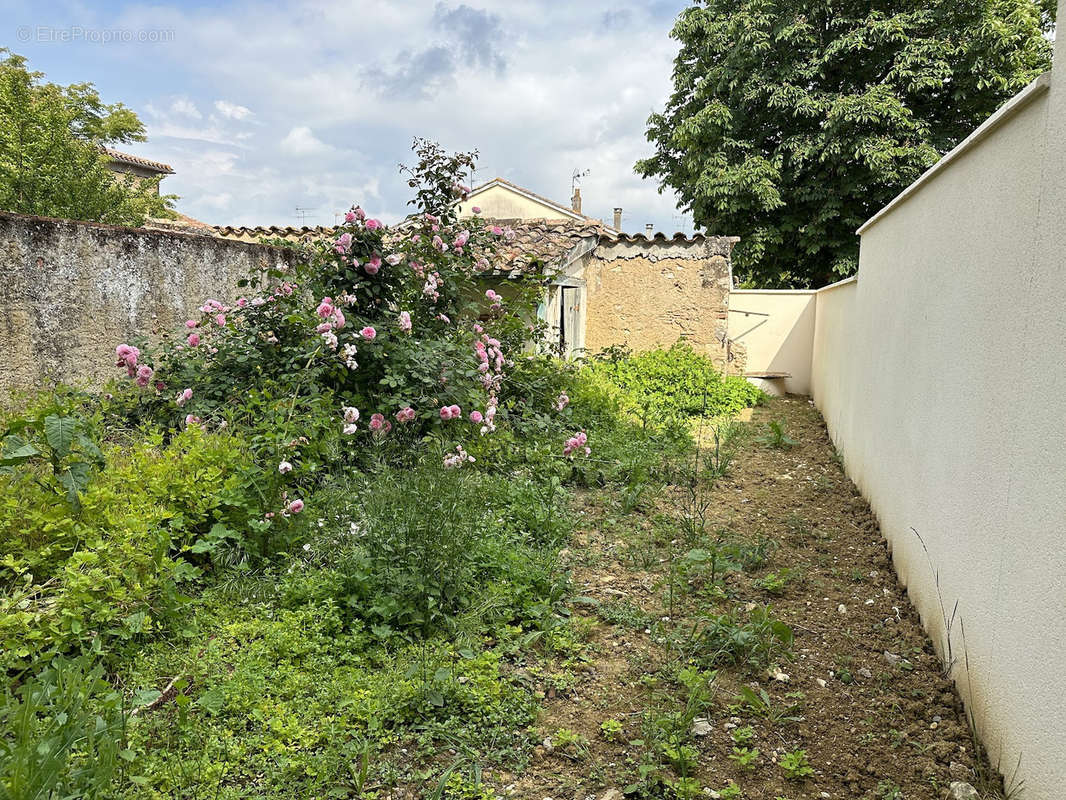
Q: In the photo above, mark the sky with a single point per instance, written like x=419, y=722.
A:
x=264, y=107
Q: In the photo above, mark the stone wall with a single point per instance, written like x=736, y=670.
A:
x=71, y=291
x=648, y=293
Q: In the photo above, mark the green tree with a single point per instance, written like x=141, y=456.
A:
x=793, y=121
x=51, y=163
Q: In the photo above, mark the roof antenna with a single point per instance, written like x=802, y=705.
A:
x=302, y=213
x=575, y=179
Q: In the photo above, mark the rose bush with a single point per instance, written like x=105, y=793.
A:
x=379, y=333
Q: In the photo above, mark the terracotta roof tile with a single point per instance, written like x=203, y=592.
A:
x=542, y=242
x=137, y=161
x=255, y=233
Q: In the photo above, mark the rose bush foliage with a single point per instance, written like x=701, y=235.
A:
x=379, y=333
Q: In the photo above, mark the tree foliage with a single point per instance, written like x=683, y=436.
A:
x=51, y=163
x=792, y=122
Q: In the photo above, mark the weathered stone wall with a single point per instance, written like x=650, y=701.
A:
x=646, y=294
x=71, y=291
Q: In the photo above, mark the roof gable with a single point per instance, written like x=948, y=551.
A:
x=543, y=208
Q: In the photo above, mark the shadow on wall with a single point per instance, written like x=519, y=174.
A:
x=776, y=327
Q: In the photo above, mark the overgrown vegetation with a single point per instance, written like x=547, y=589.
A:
x=310, y=545
x=659, y=383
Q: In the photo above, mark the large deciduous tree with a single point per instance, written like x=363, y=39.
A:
x=793, y=121
x=51, y=163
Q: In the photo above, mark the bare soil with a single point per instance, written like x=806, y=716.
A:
x=877, y=718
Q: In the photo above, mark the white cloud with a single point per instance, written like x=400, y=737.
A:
x=185, y=107
x=301, y=141
x=540, y=88
x=232, y=110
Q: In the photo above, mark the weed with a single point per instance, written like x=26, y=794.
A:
x=611, y=730
x=755, y=643
x=887, y=790
x=625, y=613
x=760, y=703
x=776, y=437
x=64, y=735
x=775, y=582
x=744, y=757
x=743, y=736
x=570, y=743
x=731, y=792
x=795, y=765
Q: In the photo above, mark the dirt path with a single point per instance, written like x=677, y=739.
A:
x=859, y=691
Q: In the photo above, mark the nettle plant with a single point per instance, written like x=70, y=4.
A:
x=384, y=332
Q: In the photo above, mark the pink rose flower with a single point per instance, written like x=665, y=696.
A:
x=295, y=507
x=368, y=333
x=189, y=323
x=476, y=417
x=193, y=340
x=377, y=422
x=372, y=224
x=183, y=397
x=405, y=321
x=127, y=356
x=220, y=320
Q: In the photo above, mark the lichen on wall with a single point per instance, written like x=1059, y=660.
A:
x=645, y=294
x=71, y=291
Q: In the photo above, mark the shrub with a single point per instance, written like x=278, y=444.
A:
x=678, y=380
x=111, y=570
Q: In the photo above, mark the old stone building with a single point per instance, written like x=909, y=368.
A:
x=605, y=287
x=123, y=164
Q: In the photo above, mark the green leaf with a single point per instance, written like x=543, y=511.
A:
x=74, y=479
x=212, y=700
x=59, y=433
x=17, y=451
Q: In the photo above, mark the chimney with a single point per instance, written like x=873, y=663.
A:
x=618, y=219
x=575, y=201
x=649, y=229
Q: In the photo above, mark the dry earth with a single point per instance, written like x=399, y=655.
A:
x=876, y=717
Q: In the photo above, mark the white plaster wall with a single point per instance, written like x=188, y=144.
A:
x=776, y=327
x=941, y=372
